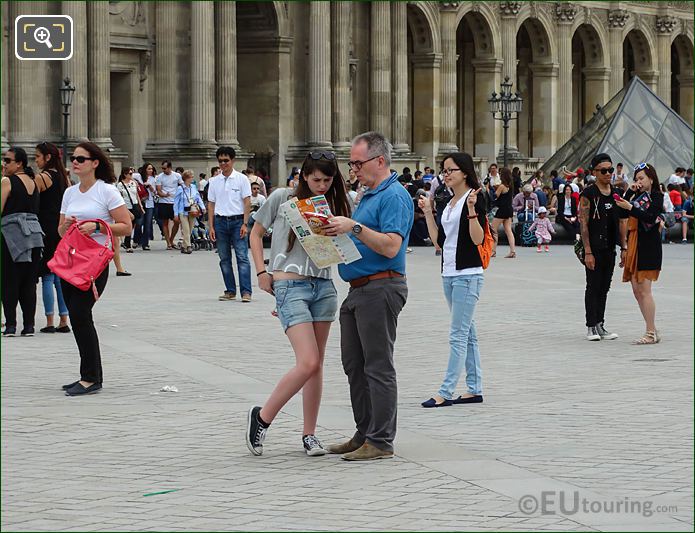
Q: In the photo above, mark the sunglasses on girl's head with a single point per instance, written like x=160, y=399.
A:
x=641, y=166
x=80, y=159
x=321, y=154
x=605, y=171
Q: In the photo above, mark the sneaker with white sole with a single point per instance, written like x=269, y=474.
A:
x=313, y=446
x=605, y=334
x=255, y=432
x=592, y=334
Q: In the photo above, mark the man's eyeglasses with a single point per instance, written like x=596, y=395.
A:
x=7, y=160
x=640, y=166
x=321, y=154
x=605, y=171
x=80, y=159
x=357, y=165
x=220, y=161
x=447, y=171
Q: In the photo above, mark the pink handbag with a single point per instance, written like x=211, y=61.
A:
x=79, y=259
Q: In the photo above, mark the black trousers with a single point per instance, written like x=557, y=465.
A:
x=80, y=305
x=598, y=283
x=19, y=287
x=571, y=228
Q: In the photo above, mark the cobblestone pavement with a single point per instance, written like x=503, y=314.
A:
x=608, y=422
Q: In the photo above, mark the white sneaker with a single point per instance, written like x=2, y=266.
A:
x=592, y=334
x=313, y=446
x=606, y=335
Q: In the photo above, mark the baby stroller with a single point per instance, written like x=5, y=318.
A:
x=200, y=237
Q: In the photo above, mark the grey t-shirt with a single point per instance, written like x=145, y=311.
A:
x=271, y=215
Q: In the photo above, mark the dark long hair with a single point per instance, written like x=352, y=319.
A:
x=336, y=195
x=465, y=162
x=55, y=163
x=104, y=171
x=143, y=171
x=20, y=156
x=506, y=177
x=650, y=171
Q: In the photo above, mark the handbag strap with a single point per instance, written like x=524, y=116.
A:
x=129, y=196
x=104, y=225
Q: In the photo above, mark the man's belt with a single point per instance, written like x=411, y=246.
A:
x=388, y=274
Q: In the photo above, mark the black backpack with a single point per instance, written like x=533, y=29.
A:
x=442, y=196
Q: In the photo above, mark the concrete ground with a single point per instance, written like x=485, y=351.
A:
x=563, y=418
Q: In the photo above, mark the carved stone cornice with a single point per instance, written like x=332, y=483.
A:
x=449, y=6
x=617, y=18
x=565, y=11
x=510, y=9
x=665, y=24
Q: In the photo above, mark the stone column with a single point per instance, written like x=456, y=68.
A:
x=447, y=108
x=565, y=13
x=380, y=79
x=99, y=57
x=686, y=82
x=597, y=82
x=426, y=92
x=5, y=67
x=651, y=78
x=488, y=131
x=509, y=12
x=76, y=70
x=544, y=109
x=28, y=93
x=466, y=98
x=341, y=24
x=226, y=74
x=399, y=79
x=617, y=18
x=202, y=73
x=319, y=75
x=664, y=30
x=166, y=91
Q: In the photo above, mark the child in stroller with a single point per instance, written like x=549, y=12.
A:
x=200, y=237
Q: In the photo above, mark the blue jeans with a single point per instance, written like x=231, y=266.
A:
x=462, y=294
x=227, y=234
x=49, y=281
x=146, y=228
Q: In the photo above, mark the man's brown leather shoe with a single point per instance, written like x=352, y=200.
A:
x=345, y=447
x=367, y=452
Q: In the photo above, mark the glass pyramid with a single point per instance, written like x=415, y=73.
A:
x=634, y=126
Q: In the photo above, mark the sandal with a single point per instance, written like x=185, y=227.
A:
x=650, y=337
x=510, y=255
x=494, y=254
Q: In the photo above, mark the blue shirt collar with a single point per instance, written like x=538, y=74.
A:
x=383, y=185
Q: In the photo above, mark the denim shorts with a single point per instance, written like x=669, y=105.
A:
x=305, y=300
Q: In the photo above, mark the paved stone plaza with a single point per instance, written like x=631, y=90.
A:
x=607, y=421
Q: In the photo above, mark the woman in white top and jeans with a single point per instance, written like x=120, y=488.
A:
x=94, y=197
x=459, y=233
x=305, y=297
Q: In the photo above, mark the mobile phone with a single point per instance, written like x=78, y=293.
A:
x=616, y=196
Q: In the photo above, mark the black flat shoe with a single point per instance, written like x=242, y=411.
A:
x=48, y=329
x=472, y=399
x=124, y=273
x=433, y=403
x=27, y=332
x=70, y=385
x=78, y=389
x=63, y=329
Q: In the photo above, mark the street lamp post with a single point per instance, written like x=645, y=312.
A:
x=505, y=107
x=66, y=93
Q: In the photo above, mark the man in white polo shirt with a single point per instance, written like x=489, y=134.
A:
x=167, y=183
x=229, y=206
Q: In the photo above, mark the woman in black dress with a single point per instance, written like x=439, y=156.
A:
x=51, y=182
x=504, y=214
x=20, y=196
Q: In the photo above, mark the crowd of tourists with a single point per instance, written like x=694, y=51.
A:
x=455, y=210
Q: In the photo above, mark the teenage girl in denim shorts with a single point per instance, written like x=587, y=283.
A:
x=306, y=298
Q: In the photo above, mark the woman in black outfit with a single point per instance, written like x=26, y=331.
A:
x=644, y=203
x=19, y=196
x=52, y=182
x=504, y=214
x=567, y=211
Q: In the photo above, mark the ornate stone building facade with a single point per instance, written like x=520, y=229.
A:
x=176, y=79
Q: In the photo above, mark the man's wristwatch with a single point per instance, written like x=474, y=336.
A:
x=356, y=229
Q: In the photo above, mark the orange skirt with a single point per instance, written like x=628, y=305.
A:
x=630, y=272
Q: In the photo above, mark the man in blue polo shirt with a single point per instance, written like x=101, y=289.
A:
x=378, y=291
